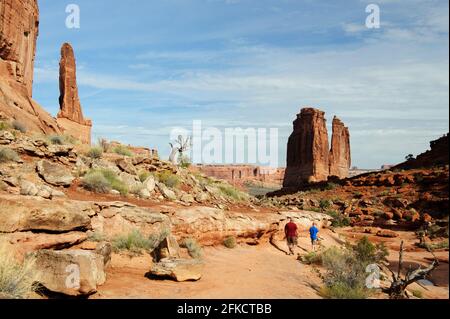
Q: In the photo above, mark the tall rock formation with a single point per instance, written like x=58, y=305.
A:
x=70, y=117
x=308, y=153
x=309, y=158
x=19, y=25
x=340, y=155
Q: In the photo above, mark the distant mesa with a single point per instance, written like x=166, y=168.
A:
x=19, y=29
x=309, y=157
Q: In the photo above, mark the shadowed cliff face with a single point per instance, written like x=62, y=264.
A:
x=309, y=158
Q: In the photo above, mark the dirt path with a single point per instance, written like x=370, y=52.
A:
x=244, y=272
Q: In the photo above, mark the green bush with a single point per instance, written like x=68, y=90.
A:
x=57, y=140
x=156, y=238
x=144, y=175
x=339, y=220
x=96, y=182
x=343, y=291
x=95, y=153
x=331, y=186
x=122, y=150
x=231, y=192
x=194, y=249
x=8, y=155
x=17, y=280
x=134, y=242
x=97, y=237
x=417, y=293
x=169, y=179
x=4, y=126
x=230, y=242
x=324, y=204
x=19, y=126
x=312, y=258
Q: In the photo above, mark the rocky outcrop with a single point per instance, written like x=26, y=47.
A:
x=309, y=158
x=340, y=155
x=178, y=269
x=308, y=153
x=19, y=22
x=70, y=117
x=54, y=174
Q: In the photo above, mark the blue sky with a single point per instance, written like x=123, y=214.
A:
x=145, y=67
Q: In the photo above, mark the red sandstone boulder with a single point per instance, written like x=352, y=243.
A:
x=387, y=233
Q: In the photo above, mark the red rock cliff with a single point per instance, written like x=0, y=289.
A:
x=19, y=25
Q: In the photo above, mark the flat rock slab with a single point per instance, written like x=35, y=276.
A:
x=178, y=269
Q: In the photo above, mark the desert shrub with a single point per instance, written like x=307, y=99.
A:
x=433, y=246
x=95, y=153
x=8, y=155
x=97, y=237
x=4, y=126
x=169, y=179
x=339, y=220
x=231, y=192
x=96, y=182
x=17, y=280
x=57, y=139
x=417, y=293
x=324, y=204
x=368, y=253
x=331, y=186
x=230, y=242
x=134, y=242
x=119, y=186
x=346, y=269
x=184, y=161
x=144, y=175
x=312, y=258
x=19, y=126
x=194, y=249
x=122, y=150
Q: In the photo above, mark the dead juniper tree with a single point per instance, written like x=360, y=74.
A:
x=397, y=290
x=179, y=147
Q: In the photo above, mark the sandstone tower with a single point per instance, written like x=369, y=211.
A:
x=309, y=158
x=70, y=116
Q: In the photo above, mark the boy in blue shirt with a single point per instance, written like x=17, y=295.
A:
x=313, y=231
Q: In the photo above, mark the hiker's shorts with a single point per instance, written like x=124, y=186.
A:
x=292, y=241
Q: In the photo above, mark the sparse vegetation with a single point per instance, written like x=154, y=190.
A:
x=8, y=155
x=144, y=175
x=97, y=237
x=102, y=181
x=4, y=126
x=194, y=249
x=324, y=204
x=104, y=145
x=19, y=126
x=231, y=192
x=156, y=238
x=331, y=186
x=169, y=179
x=230, y=242
x=133, y=242
x=346, y=269
x=184, y=161
x=17, y=280
x=312, y=258
x=95, y=153
x=56, y=139
x=122, y=150
x=96, y=182
x=417, y=293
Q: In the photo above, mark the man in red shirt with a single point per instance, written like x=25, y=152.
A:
x=290, y=230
